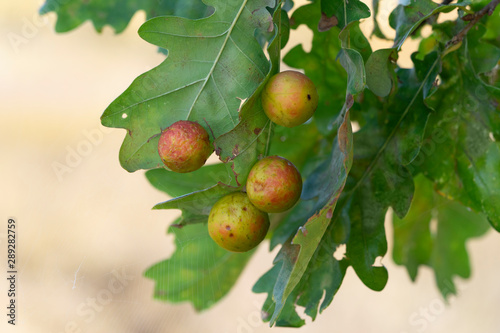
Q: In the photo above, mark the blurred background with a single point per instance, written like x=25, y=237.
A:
x=85, y=228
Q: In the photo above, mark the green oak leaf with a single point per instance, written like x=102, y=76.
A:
x=405, y=19
x=492, y=34
x=296, y=144
x=345, y=11
x=250, y=138
x=225, y=62
x=117, y=14
x=352, y=61
x=295, y=254
x=324, y=187
x=288, y=317
x=199, y=271
x=195, y=192
x=484, y=55
x=318, y=285
x=379, y=178
x=412, y=235
x=265, y=36
x=462, y=154
x=238, y=148
x=380, y=72
x=328, y=75
x=177, y=184
x=323, y=277
x=407, y=109
x=196, y=206
x=443, y=250
x=352, y=37
x=377, y=182
x=248, y=141
x=449, y=257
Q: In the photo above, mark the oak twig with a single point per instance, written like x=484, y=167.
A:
x=473, y=19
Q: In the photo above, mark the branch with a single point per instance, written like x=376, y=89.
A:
x=473, y=19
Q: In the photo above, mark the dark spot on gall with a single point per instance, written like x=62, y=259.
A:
x=231, y=235
x=228, y=227
x=245, y=209
x=308, y=97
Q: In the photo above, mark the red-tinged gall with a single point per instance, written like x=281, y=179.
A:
x=235, y=224
x=274, y=184
x=289, y=98
x=184, y=146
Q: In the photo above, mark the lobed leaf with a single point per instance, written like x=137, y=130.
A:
x=250, y=139
x=117, y=14
x=196, y=206
x=407, y=18
x=295, y=255
x=379, y=74
x=199, y=271
x=176, y=184
x=345, y=11
x=443, y=250
x=462, y=155
x=212, y=64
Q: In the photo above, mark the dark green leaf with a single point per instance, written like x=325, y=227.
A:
x=449, y=257
x=379, y=179
x=484, y=56
x=225, y=63
x=345, y=11
x=196, y=206
x=462, y=155
x=264, y=36
x=492, y=35
x=296, y=144
x=443, y=249
x=412, y=235
x=352, y=61
x=295, y=254
x=176, y=184
x=380, y=72
x=117, y=14
x=407, y=110
x=352, y=37
x=380, y=182
x=288, y=317
x=250, y=139
x=405, y=19
x=199, y=271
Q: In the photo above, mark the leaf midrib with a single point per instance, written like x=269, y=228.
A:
x=216, y=61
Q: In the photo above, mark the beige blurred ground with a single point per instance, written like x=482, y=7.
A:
x=78, y=231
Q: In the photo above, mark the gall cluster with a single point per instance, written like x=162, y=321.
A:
x=239, y=221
